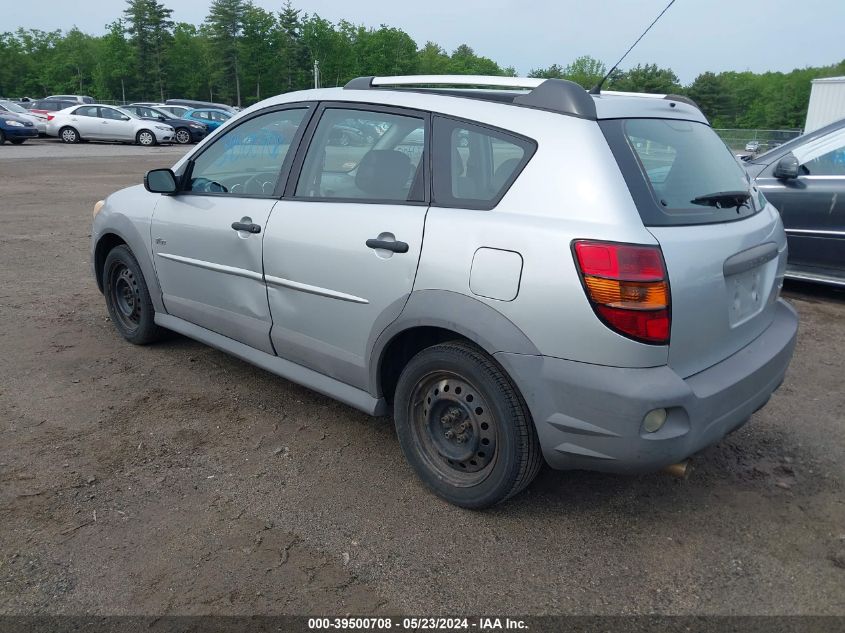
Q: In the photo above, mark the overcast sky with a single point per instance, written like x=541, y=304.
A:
x=693, y=36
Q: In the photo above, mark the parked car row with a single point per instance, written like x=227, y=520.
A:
x=141, y=124
x=75, y=118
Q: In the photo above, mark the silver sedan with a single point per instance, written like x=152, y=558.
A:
x=97, y=122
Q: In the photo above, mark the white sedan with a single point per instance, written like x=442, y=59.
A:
x=96, y=122
x=39, y=120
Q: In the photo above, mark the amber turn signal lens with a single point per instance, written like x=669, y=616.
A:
x=630, y=295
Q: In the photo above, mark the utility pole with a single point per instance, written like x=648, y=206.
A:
x=316, y=74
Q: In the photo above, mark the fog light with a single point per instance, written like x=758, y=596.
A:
x=654, y=419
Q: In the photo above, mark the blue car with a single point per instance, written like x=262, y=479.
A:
x=16, y=129
x=212, y=118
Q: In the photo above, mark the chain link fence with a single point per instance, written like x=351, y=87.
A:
x=755, y=141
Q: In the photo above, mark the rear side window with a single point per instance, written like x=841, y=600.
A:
x=679, y=172
x=474, y=165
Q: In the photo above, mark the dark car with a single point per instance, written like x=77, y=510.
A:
x=16, y=129
x=805, y=180
x=186, y=131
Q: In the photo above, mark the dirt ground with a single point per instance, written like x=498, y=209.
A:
x=173, y=479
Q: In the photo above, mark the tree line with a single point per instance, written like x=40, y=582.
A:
x=242, y=53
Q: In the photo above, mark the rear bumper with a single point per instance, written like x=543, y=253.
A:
x=590, y=416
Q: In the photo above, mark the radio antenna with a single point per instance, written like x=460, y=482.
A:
x=597, y=88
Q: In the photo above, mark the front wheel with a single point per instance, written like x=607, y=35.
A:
x=464, y=427
x=17, y=141
x=145, y=138
x=127, y=297
x=183, y=136
x=2, y=137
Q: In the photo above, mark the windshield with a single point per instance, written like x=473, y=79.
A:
x=680, y=172
x=13, y=107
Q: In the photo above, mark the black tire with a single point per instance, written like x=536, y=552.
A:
x=183, y=136
x=127, y=297
x=146, y=138
x=17, y=141
x=2, y=137
x=493, y=451
x=69, y=135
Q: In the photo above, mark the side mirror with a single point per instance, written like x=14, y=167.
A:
x=123, y=117
x=160, y=181
x=787, y=168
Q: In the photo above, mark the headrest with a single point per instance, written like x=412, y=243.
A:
x=503, y=172
x=384, y=173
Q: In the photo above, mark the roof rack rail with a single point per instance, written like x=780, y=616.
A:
x=555, y=95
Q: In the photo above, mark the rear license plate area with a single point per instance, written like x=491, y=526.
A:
x=746, y=295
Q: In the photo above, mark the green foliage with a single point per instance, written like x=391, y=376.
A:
x=648, y=78
x=243, y=53
x=585, y=70
x=149, y=26
x=225, y=22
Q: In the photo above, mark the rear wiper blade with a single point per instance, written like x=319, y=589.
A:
x=723, y=199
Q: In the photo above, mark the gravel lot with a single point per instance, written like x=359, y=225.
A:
x=174, y=479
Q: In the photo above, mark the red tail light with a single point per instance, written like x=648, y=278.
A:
x=628, y=288
x=50, y=117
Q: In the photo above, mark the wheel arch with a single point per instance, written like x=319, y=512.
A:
x=435, y=316
x=121, y=230
x=105, y=244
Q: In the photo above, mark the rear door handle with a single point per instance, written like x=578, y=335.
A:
x=249, y=227
x=388, y=245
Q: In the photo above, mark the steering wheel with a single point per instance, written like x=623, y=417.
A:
x=204, y=185
x=253, y=185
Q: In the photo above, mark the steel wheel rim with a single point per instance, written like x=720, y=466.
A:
x=146, y=138
x=183, y=136
x=454, y=428
x=125, y=297
x=69, y=136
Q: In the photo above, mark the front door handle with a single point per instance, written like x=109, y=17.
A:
x=249, y=227
x=388, y=245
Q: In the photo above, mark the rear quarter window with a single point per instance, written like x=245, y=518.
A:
x=475, y=165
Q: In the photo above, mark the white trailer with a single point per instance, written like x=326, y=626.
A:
x=827, y=102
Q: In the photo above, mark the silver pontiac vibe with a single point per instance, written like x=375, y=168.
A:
x=514, y=269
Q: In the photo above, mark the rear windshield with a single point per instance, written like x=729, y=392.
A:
x=680, y=172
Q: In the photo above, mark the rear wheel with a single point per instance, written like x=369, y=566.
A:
x=183, y=136
x=464, y=427
x=17, y=141
x=145, y=138
x=69, y=135
x=128, y=299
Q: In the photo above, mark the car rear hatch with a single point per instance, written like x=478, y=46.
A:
x=724, y=249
